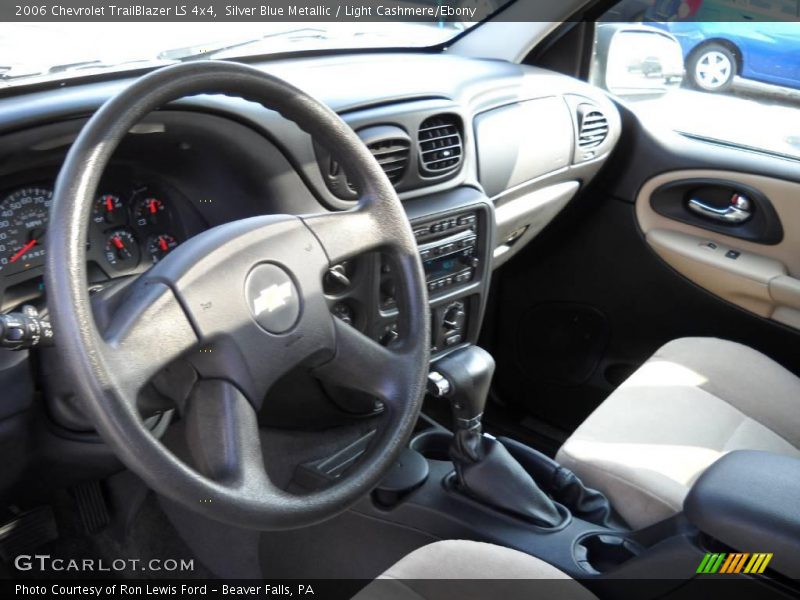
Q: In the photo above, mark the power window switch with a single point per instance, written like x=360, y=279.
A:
x=733, y=254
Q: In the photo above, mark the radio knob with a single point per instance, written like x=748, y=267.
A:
x=454, y=318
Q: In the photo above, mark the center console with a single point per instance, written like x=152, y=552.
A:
x=460, y=483
x=454, y=232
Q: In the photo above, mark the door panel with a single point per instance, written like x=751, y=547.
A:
x=759, y=277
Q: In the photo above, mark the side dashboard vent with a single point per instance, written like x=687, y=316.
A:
x=440, y=145
x=392, y=155
x=389, y=144
x=592, y=127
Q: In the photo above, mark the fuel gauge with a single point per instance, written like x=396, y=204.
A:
x=122, y=250
x=161, y=245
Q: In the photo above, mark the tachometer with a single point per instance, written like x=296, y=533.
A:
x=23, y=222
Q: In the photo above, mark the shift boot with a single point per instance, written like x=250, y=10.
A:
x=485, y=469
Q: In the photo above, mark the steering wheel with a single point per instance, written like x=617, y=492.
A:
x=253, y=289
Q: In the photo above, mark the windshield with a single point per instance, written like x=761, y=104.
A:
x=32, y=52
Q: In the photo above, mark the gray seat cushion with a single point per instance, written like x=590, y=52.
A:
x=693, y=401
x=453, y=568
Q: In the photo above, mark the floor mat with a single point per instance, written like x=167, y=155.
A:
x=150, y=536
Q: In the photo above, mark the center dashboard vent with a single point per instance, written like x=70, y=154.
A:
x=592, y=126
x=440, y=145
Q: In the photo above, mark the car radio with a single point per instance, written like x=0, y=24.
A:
x=453, y=245
x=448, y=249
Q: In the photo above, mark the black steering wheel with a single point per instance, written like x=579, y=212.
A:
x=253, y=289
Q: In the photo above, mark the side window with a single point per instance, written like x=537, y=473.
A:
x=725, y=70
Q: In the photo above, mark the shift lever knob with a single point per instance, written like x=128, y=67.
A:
x=485, y=469
x=468, y=373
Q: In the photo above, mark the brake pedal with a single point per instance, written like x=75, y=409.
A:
x=92, y=507
x=26, y=532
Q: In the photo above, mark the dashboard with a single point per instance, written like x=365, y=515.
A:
x=483, y=154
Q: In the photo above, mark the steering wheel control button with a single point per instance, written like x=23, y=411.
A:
x=273, y=298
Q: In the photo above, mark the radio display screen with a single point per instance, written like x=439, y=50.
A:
x=443, y=266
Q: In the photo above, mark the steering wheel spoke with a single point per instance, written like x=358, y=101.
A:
x=223, y=437
x=363, y=364
x=145, y=332
x=346, y=234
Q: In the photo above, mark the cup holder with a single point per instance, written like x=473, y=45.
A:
x=433, y=445
x=601, y=552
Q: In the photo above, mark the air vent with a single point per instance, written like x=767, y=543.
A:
x=392, y=156
x=440, y=145
x=592, y=127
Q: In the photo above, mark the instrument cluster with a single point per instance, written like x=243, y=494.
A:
x=130, y=229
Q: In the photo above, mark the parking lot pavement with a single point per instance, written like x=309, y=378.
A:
x=755, y=115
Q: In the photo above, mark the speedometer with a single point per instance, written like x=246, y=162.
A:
x=23, y=221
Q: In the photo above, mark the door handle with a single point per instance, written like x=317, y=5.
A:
x=738, y=211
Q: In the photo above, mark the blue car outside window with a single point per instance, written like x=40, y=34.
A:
x=768, y=52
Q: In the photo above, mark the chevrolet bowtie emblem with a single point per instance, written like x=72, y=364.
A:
x=272, y=297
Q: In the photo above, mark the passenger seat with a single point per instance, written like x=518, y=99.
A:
x=693, y=401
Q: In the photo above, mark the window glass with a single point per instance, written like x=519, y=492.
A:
x=31, y=52
x=724, y=70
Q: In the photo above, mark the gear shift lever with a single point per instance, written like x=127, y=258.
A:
x=468, y=374
x=485, y=469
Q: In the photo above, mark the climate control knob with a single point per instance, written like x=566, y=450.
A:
x=454, y=318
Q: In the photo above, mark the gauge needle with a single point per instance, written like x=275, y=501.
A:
x=109, y=204
x=118, y=243
x=162, y=243
x=19, y=253
x=153, y=207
